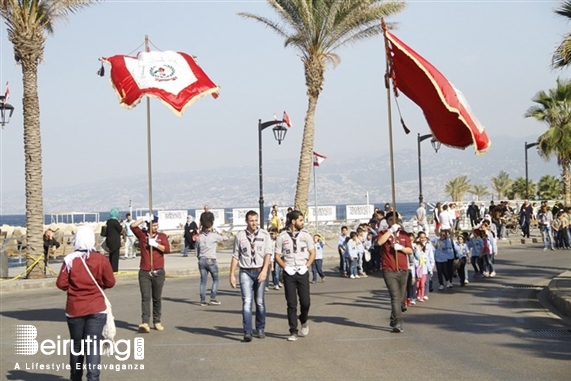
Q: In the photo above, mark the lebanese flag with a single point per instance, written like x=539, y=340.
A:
x=286, y=120
x=446, y=110
x=318, y=159
x=173, y=77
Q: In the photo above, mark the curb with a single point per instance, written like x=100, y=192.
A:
x=556, y=295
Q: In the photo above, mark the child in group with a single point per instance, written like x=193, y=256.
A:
x=463, y=253
x=476, y=245
x=490, y=249
x=411, y=281
x=424, y=254
x=354, y=247
x=316, y=267
x=274, y=268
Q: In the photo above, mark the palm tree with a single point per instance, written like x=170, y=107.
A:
x=458, y=187
x=28, y=22
x=554, y=108
x=316, y=29
x=518, y=188
x=549, y=188
x=562, y=55
x=479, y=191
x=502, y=184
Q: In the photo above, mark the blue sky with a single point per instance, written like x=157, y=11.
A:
x=496, y=52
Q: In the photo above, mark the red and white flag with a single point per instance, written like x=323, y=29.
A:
x=286, y=119
x=7, y=93
x=446, y=110
x=318, y=159
x=173, y=77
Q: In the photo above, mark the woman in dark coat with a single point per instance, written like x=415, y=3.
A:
x=113, y=240
x=190, y=229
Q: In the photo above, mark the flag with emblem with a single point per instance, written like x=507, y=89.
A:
x=446, y=110
x=173, y=77
x=286, y=119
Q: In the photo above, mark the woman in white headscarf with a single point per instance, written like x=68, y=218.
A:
x=85, y=308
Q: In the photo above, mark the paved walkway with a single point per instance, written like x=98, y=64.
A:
x=558, y=290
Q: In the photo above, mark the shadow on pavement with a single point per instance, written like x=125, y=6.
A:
x=28, y=376
x=48, y=314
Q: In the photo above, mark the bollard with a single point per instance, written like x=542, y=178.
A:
x=3, y=264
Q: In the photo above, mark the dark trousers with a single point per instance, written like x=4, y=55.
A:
x=525, y=228
x=444, y=271
x=114, y=259
x=396, y=284
x=462, y=270
x=296, y=286
x=342, y=265
x=79, y=329
x=151, y=286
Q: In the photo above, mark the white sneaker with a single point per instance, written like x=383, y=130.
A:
x=292, y=337
x=304, y=329
x=493, y=274
x=449, y=285
x=425, y=298
x=276, y=287
x=357, y=276
x=441, y=287
x=486, y=274
x=352, y=276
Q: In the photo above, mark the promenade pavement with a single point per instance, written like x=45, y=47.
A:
x=177, y=266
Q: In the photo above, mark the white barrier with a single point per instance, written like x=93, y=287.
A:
x=239, y=216
x=324, y=213
x=172, y=219
x=359, y=212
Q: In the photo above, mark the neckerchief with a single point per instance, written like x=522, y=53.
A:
x=293, y=236
x=252, y=239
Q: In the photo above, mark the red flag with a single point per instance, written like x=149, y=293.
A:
x=286, y=119
x=7, y=93
x=318, y=159
x=173, y=77
x=446, y=110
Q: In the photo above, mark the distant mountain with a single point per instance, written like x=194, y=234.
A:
x=340, y=181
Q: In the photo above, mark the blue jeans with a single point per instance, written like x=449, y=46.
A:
x=208, y=265
x=251, y=290
x=317, y=269
x=546, y=233
x=354, y=266
x=276, y=274
x=79, y=329
x=396, y=284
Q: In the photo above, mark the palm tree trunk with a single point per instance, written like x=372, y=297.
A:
x=33, y=170
x=566, y=174
x=314, y=72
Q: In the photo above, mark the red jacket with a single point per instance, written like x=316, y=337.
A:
x=158, y=256
x=83, y=296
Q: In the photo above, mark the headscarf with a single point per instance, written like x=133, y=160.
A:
x=114, y=214
x=84, y=243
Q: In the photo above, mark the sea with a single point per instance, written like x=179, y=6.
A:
x=406, y=209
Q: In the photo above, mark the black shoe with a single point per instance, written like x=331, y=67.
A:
x=397, y=329
x=392, y=324
x=247, y=338
x=261, y=334
x=403, y=308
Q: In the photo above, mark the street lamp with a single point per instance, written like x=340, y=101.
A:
x=436, y=145
x=6, y=111
x=279, y=135
x=527, y=146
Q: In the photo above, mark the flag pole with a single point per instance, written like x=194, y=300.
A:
x=149, y=167
x=315, y=195
x=389, y=113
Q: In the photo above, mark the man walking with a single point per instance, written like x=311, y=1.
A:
x=395, y=247
x=420, y=216
x=206, y=245
x=190, y=229
x=252, y=250
x=151, y=270
x=295, y=253
x=474, y=213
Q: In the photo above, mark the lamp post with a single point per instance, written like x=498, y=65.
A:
x=436, y=145
x=527, y=146
x=6, y=111
x=279, y=134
